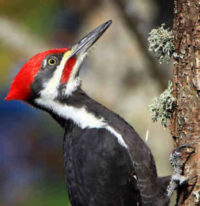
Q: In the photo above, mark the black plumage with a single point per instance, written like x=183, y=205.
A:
x=100, y=171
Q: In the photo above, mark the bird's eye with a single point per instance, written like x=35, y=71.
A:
x=52, y=61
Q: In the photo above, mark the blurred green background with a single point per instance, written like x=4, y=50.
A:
x=119, y=72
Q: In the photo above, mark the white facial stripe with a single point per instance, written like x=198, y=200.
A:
x=80, y=116
x=50, y=88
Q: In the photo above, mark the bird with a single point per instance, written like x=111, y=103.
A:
x=106, y=162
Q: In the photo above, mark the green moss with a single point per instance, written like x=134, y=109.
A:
x=161, y=43
x=163, y=106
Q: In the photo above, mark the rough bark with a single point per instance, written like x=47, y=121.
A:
x=185, y=126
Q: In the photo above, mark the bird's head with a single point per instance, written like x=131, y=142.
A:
x=53, y=72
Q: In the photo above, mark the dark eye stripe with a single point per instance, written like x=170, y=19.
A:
x=45, y=74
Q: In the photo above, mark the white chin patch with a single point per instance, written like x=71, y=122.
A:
x=71, y=86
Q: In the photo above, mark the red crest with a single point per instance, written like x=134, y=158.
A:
x=20, y=88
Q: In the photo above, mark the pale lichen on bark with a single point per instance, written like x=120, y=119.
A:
x=185, y=124
x=162, y=107
x=161, y=43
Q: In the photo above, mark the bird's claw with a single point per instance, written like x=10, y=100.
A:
x=187, y=147
x=185, y=181
x=186, y=188
x=178, y=159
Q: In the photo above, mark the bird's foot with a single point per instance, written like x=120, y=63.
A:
x=178, y=159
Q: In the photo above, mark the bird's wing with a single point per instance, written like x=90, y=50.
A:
x=103, y=170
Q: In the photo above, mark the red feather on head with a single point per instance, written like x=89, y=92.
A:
x=20, y=88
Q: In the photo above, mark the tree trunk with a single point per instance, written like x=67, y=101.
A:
x=185, y=125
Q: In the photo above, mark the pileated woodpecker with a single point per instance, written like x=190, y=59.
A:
x=106, y=162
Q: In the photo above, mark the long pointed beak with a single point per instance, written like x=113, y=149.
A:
x=79, y=50
x=87, y=41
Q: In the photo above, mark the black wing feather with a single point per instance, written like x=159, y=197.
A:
x=99, y=170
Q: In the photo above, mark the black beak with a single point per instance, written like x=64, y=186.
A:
x=86, y=42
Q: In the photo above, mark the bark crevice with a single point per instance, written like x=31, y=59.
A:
x=185, y=124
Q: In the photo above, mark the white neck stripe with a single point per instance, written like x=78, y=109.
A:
x=80, y=116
